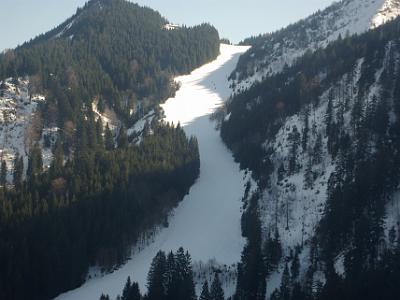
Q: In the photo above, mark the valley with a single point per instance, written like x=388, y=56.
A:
x=207, y=222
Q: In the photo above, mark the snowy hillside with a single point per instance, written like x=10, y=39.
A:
x=272, y=52
x=207, y=222
x=322, y=139
x=21, y=124
x=299, y=197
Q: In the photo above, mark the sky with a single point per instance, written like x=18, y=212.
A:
x=22, y=20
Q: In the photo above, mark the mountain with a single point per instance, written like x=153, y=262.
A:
x=86, y=164
x=270, y=53
x=321, y=137
x=113, y=57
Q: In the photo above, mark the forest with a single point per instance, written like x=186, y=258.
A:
x=113, y=51
x=101, y=192
x=90, y=210
x=171, y=277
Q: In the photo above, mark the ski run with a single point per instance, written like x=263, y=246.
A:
x=207, y=222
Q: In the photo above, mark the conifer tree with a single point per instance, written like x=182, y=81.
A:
x=295, y=266
x=104, y=297
x=216, y=292
x=309, y=174
x=58, y=160
x=3, y=173
x=99, y=133
x=109, y=139
x=317, y=152
x=122, y=139
x=285, y=284
x=306, y=129
x=18, y=170
x=134, y=293
x=294, y=138
x=156, y=278
x=329, y=114
x=35, y=163
x=172, y=277
x=205, y=292
x=126, y=290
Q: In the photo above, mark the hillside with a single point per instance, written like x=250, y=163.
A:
x=270, y=53
x=322, y=140
x=112, y=57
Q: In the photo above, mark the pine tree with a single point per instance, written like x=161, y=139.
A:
x=317, y=151
x=285, y=284
x=216, y=293
x=281, y=172
x=57, y=164
x=156, y=278
x=172, y=277
x=18, y=170
x=104, y=297
x=295, y=266
x=126, y=290
x=35, y=163
x=134, y=293
x=122, y=139
x=188, y=287
x=252, y=270
x=329, y=114
x=309, y=174
x=392, y=236
x=99, y=133
x=294, y=138
x=109, y=139
x=306, y=129
x=3, y=173
x=205, y=292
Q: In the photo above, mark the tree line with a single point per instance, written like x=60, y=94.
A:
x=171, y=278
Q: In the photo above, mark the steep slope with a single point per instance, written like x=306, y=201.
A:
x=271, y=52
x=322, y=139
x=207, y=222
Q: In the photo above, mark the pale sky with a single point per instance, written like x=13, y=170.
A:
x=22, y=20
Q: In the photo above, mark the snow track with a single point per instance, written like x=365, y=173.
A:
x=207, y=222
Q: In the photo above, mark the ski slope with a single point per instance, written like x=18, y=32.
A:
x=207, y=222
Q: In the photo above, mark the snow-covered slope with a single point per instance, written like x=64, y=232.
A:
x=20, y=123
x=272, y=52
x=310, y=146
x=207, y=222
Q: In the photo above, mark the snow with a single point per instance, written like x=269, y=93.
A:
x=138, y=127
x=392, y=214
x=207, y=222
x=108, y=117
x=341, y=18
x=65, y=29
x=291, y=206
x=171, y=26
x=17, y=118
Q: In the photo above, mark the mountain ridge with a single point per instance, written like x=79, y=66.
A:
x=272, y=52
